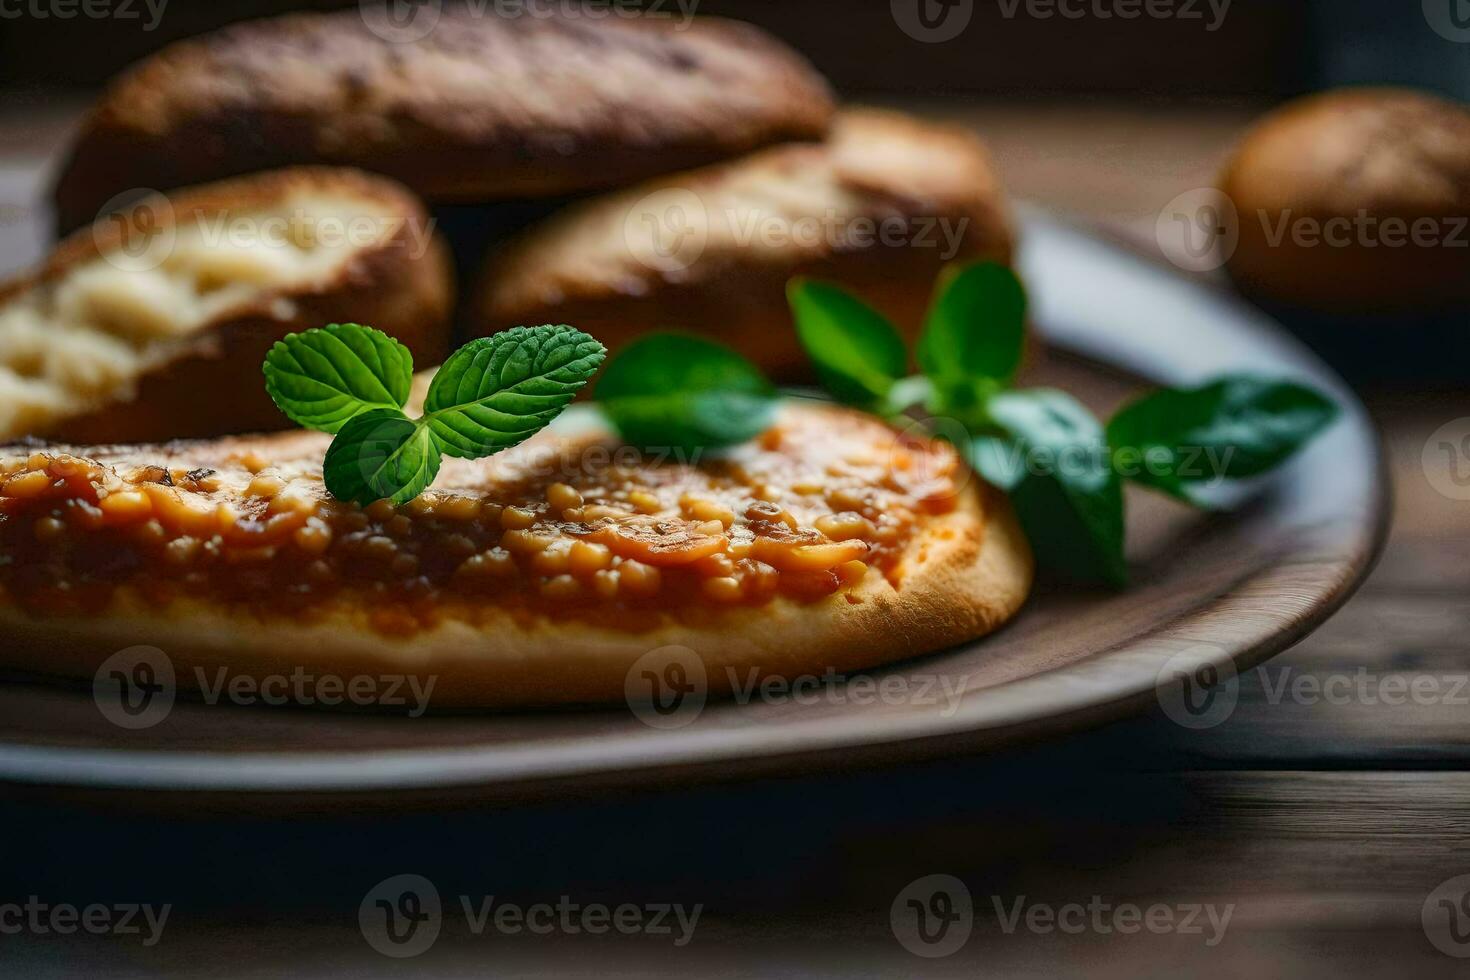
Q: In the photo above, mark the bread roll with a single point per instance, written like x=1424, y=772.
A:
x=153, y=324
x=481, y=108
x=1355, y=201
x=880, y=208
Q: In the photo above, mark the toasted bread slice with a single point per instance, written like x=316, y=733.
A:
x=153, y=323
x=880, y=208
x=478, y=108
x=539, y=576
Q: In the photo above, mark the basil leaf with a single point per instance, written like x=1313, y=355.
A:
x=498, y=391
x=1235, y=427
x=381, y=455
x=856, y=351
x=680, y=392
x=976, y=329
x=1055, y=464
x=321, y=378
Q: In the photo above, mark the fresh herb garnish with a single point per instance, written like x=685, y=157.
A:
x=1235, y=427
x=323, y=378
x=491, y=394
x=672, y=391
x=1052, y=458
x=858, y=354
x=1063, y=471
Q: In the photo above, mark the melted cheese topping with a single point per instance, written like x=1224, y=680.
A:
x=72, y=343
x=562, y=525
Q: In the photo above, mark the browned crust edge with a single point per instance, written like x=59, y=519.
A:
x=441, y=156
x=739, y=297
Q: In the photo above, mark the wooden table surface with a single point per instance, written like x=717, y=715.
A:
x=1322, y=814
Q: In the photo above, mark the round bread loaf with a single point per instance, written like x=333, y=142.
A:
x=1355, y=201
x=543, y=575
x=153, y=324
x=880, y=208
x=482, y=108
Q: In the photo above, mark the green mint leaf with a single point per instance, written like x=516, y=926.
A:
x=856, y=351
x=381, y=455
x=680, y=392
x=975, y=332
x=1235, y=427
x=498, y=391
x=321, y=378
x=1053, y=461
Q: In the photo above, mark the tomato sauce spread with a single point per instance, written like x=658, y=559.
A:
x=561, y=526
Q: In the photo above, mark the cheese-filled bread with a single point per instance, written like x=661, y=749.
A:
x=152, y=324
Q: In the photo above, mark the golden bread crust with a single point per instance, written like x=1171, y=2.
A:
x=1337, y=166
x=817, y=210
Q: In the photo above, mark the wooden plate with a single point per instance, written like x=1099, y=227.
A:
x=1212, y=595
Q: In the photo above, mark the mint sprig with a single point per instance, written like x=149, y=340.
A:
x=1063, y=471
x=491, y=394
x=672, y=391
x=857, y=353
x=323, y=378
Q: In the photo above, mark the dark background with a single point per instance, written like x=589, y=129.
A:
x=1263, y=51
